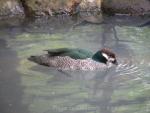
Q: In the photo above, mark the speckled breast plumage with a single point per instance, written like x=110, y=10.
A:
x=67, y=63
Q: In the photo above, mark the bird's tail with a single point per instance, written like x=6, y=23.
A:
x=42, y=60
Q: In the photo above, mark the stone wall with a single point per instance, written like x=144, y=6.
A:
x=46, y=7
x=50, y=7
x=54, y=7
x=11, y=7
x=132, y=7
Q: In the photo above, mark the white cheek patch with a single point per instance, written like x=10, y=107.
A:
x=105, y=55
x=111, y=59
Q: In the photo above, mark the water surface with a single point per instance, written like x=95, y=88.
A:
x=26, y=87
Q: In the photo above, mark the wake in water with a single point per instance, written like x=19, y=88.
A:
x=128, y=69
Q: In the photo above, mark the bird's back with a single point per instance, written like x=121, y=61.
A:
x=73, y=53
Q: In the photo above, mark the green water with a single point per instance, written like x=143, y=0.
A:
x=30, y=88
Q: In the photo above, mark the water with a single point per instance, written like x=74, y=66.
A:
x=26, y=87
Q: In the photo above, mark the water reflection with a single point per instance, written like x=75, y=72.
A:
x=39, y=89
x=11, y=91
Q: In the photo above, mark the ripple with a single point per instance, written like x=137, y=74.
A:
x=127, y=68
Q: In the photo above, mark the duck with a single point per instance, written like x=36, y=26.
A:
x=76, y=59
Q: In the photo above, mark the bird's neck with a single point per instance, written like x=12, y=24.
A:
x=99, y=58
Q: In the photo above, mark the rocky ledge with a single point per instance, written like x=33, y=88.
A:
x=10, y=8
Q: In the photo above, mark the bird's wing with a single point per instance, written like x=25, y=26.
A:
x=73, y=53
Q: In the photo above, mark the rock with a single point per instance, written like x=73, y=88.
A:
x=10, y=8
x=132, y=7
x=70, y=7
x=49, y=7
x=90, y=4
x=54, y=7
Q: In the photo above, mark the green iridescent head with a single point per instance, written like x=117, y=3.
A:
x=105, y=56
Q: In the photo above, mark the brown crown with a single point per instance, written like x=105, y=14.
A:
x=108, y=52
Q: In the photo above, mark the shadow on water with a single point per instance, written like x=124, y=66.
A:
x=10, y=82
